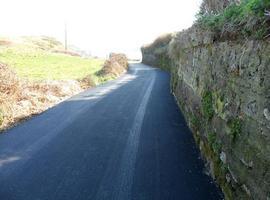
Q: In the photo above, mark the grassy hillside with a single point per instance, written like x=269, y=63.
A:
x=43, y=58
x=37, y=73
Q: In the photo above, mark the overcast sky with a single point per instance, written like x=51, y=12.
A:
x=100, y=26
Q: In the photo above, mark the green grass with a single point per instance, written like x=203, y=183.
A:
x=236, y=127
x=246, y=19
x=213, y=143
x=195, y=122
x=37, y=64
x=207, y=105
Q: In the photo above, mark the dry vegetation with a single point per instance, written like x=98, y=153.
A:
x=114, y=66
x=20, y=98
x=159, y=43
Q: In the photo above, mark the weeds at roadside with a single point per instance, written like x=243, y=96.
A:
x=249, y=18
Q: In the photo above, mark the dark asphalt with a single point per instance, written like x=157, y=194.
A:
x=123, y=140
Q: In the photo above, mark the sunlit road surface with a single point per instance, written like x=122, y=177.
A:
x=123, y=140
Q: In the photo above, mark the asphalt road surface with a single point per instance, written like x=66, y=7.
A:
x=123, y=140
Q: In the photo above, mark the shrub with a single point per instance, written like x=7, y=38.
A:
x=235, y=127
x=195, y=122
x=211, y=137
x=160, y=42
x=87, y=82
x=247, y=18
x=213, y=143
x=164, y=62
x=114, y=66
x=207, y=105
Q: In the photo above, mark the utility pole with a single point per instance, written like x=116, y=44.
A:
x=65, y=36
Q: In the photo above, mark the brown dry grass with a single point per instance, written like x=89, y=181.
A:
x=87, y=82
x=115, y=65
x=20, y=98
x=161, y=41
x=5, y=42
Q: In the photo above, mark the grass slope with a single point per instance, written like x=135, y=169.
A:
x=33, y=61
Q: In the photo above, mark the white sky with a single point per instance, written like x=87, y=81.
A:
x=100, y=26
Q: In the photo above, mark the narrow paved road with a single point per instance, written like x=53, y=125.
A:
x=123, y=140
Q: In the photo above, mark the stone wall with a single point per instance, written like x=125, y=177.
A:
x=223, y=89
